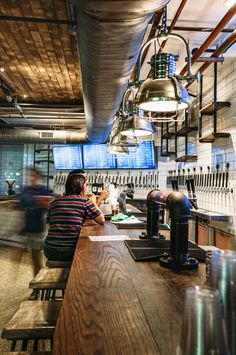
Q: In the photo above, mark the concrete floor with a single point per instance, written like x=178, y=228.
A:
x=16, y=270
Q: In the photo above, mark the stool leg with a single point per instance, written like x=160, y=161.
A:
x=36, y=344
x=13, y=345
x=24, y=344
x=47, y=296
x=42, y=295
x=53, y=295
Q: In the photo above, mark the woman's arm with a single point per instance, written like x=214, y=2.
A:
x=100, y=219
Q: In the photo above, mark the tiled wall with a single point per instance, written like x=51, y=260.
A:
x=11, y=166
x=221, y=151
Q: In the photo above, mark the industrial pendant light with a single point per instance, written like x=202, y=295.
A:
x=134, y=125
x=119, y=143
x=114, y=149
x=137, y=126
x=164, y=92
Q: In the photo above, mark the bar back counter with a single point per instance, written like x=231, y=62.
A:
x=114, y=305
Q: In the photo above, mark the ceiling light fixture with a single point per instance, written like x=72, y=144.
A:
x=164, y=92
x=133, y=124
x=137, y=126
x=114, y=149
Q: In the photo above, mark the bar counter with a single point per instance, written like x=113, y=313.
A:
x=114, y=305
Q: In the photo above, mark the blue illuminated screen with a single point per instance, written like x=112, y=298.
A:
x=142, y=157
x=68, y=157
x=96, y=157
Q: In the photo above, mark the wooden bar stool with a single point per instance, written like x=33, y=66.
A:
x=58, y=264
x=33, y=321
x=48, y=281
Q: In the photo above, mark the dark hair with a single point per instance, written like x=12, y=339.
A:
x=75, y=184
x=34, y=171
x=76, y=171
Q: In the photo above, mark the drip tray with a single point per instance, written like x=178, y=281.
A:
x=153, y=249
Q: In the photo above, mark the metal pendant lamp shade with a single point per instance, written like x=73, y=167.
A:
x=122, y=141
x=163, y=95
x=137, y=126
x=115, y=149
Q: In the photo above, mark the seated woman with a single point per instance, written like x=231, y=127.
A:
x=66, y=216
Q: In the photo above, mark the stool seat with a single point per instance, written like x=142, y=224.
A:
x=53, y=279
x=33, y=320
x=58, y=264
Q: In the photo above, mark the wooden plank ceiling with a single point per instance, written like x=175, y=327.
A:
x=40, y=60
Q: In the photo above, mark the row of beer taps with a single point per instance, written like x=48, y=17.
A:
x=141, y=180
x=210, y=181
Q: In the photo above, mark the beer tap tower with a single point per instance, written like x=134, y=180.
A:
x=179, y=211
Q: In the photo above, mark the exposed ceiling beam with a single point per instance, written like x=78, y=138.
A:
x=56, y=105
x=38, y=20
x=172, y=25
x=224, y=21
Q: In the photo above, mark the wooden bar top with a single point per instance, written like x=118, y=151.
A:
x=114, y=305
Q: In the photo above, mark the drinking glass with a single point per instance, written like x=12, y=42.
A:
x=223, y=277
x=203, y=327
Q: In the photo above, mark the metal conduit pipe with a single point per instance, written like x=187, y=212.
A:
x=44, y=137
x=224, y=21
x=110, y=34
x=223, y=47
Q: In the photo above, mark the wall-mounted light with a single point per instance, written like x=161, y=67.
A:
x=2, y=69
x=163, y=92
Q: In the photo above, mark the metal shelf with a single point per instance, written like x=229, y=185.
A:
x=43, y=161
x=210, y=138
x=168, y=154
x=186, y=158
x=209, y=109
x=185, y=131
x=168, y=135
x=43, y=150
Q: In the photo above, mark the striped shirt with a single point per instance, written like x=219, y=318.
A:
x=66, y=216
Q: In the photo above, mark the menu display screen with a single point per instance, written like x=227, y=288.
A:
x=96, y=157
x=142, y=157
x=68, y=157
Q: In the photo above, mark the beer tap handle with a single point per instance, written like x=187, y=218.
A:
x=223, y=180
x=217, y=175
x=226, y=179
x=176, y=184
x=220, y=176
x=192, y=185
x=216, y=184
x=188, y=187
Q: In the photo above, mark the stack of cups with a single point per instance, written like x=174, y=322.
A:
x=223, y=277
x=203, y=327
